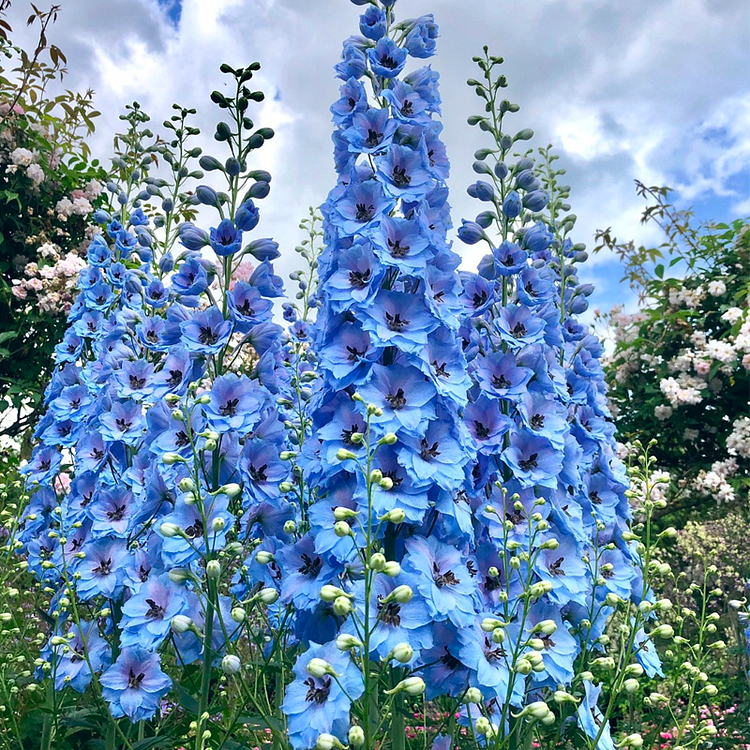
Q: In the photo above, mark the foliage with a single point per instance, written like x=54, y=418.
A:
x=48, y=188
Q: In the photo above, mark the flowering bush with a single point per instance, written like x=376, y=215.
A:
x=679, y=372
x=48, y=191
x=407, y=504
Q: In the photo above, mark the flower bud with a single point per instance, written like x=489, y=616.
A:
x=473, y=695
x=169, y=529
x=231, y=664
x=545, y=627
x=482, y=725
x=213, y=570
x=178, y=575
x=391, y=569
x=561, y=697
x=327, y=741
x=319, y=667
x=402, y=652
x=539, y=589
x=386, y=483
x=394, y=516
x=524, y=666
x=186, y=484
x=263, y=557
x=218, y=525
x=342, y=529
x=181, y=623
x=268, y=595
x=377, y=561
x=345, y=642
x=663, y=631
x=344, y=455
x=171, y=458
x=290, y=527
x=342, y=606
x=341, y=513
x=238, y=614
x=356, y=736
x=401, y=594
x=498, y=635
x=329, y=593
x=389, y=439
x=630, y=685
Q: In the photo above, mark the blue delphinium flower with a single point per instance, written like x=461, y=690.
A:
x=135, y=684
x=75, y=659
x=317, y=705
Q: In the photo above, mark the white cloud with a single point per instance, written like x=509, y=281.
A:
x=625, y=90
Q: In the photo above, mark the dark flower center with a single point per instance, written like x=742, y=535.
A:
x=397, y=249
x=492, y=651
x=318, y=693
x=195, y=530
x=175, y=378
x=400, y=178
x=440, y=369
x=500, y=381
x=407, y=110
x=396, y=400
x=364, y=212
x=396, y=322
x=449, y=660
x=359, y=279
x=518, y=330
x=537, y=422
x=104, y=568
x=208, y=335
x=429, y=451
x=594, y=497
x=259, y=475
x=136, y=383
x=123, y=424
x=155, y=611
x=527, y=464
x=479, y=298
x=117, y=513
x=246, y=309
x=309, y=566
x=181, y=439
x=229, y=408
x=555, y=568
x=388, y=62
x=135, y=680
x=481, y=430
x=354, y=353
x=373, y=138
x=444, y=579
x=389, y=613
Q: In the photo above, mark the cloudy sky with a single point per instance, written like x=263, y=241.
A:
x=656, y=90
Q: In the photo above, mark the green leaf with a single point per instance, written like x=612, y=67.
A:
x=659, y=270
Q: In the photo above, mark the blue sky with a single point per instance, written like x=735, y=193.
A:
x=624, y=89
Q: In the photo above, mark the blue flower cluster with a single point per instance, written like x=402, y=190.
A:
x=392, y=385
x=170, y=457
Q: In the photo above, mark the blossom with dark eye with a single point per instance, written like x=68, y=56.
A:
x=386, y=58
x=320, y=705
x=102, y=569
x=438, y=574
x=74, y=661
x=207, y=332
x=147, y=616
x=234, y=404
x=135, y=684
